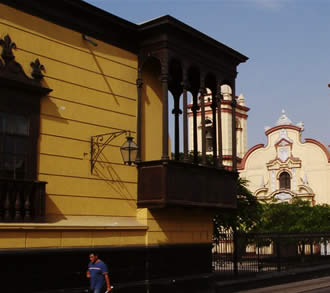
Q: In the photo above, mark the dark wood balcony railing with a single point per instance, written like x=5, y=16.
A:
x=173, y=183
x=22, y=200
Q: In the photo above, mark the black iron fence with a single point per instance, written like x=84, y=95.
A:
x=246, y=253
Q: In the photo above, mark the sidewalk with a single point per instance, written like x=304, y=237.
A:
x=271, y=279
x=294, y=287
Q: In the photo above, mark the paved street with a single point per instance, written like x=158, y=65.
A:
x=319, y=285
x=323, y=290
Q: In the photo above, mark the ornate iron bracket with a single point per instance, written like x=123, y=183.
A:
x=99, y=142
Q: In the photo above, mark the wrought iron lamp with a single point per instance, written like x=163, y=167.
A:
x=128, y=150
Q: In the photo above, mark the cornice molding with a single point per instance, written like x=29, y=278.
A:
x=319, y=144
x=169, y=23
x=289, y=162
x=224, y=102
x=240, y=107
x=209, y=112
x=84, y=18
x=102, y=25
x=230, y=157
x=248, y=153
x=275, y=128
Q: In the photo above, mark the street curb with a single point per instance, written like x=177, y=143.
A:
x=269, y=279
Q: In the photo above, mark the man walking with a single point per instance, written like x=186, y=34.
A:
x=98, y=274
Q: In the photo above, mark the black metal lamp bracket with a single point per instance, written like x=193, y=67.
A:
x=99, y=142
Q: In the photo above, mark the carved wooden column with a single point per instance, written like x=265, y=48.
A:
x=233, y=129
x=176, y=111
x=139, y=85
x=214, y=126
x=202, y=101
x=18, y=202
x=27, y=203
x=194, y=109
x=7, y=205
x=185, y=118
x=164, y=79
x=219, y=99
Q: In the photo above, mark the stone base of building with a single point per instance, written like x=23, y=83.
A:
x=161, y=268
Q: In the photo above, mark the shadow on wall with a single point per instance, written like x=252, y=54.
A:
x=51, y=111
x=104, y=170
x=72, y=39
x=54, y=215
x=184, y=225
x=103, y=75
x=60, y=34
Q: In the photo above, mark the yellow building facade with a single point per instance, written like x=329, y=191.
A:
x=72, y=92
x=288, y=167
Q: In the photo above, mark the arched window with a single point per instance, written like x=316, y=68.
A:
x=209, y=138
x=285, y=180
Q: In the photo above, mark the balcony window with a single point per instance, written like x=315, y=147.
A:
x=22, y=197
x=14, y=145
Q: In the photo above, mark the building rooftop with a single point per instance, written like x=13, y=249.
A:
x=283, y=120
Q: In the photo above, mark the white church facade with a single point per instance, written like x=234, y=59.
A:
x=288, y=167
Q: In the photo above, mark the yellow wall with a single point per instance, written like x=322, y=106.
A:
x=177, y=225
x=152, y=106
x=94, y=92
x=35, y=238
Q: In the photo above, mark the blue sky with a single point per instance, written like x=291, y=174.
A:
x=287, y=41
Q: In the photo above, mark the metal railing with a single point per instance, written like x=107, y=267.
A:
x=244, y=253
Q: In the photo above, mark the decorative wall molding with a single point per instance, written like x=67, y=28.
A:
x=7, y=51
x=269, y=131
x=12, y=74
x=321, y=145
x=248, y=153
x=37, y=68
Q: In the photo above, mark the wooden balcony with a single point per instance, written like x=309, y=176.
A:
x=172, y=183
x=22, y=200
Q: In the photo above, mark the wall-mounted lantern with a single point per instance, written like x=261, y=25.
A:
x=129, y=150
x=99, y=142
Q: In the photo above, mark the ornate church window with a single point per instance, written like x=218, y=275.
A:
x=285, y=180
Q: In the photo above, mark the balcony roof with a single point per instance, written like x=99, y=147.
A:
x=95, y=22
x=171, y=26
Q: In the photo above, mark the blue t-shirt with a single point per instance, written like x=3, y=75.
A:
x=97, y=271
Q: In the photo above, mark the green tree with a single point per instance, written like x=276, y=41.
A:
x=244, y=218
x=298, y=216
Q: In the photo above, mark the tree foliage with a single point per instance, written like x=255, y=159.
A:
x=298, y=216
x=251, y=215
x=245, y=218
